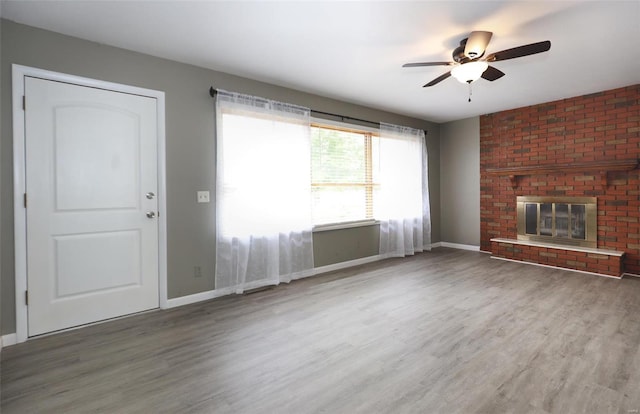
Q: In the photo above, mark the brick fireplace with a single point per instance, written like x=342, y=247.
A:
x=586, y=146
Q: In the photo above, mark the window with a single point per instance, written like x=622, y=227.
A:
x=263, y=188
x=344, y=174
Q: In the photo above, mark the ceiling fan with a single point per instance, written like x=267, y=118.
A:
x=469, y=64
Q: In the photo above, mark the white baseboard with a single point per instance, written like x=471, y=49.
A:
x=8, y=340
x=211, y=294
x=460, y=246
x=197, y=297
x=630, y=274
x=434, y=245
x=344, y=265
x=558, y=268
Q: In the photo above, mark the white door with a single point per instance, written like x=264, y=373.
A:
x=91, y=184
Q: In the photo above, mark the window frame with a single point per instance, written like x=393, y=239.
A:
x=368, y=185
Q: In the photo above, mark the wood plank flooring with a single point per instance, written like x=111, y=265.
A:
x=442, y=332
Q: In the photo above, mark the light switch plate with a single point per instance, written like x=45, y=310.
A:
x=203, y=196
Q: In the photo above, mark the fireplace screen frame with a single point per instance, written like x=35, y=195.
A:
x=591, y=216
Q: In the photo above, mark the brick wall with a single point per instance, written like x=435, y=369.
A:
x=596, y=127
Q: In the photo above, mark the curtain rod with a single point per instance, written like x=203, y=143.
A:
x=213, y=92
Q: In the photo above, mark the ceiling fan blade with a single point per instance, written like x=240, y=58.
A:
x=476, y=44
x=520, y=51
x=492, y=74
x=415, y=65
x=438, y=79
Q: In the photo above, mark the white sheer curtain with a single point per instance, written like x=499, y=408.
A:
x=263, y=192
x=403, y=198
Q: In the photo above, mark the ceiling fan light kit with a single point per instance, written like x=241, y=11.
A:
x=470, y=64
x=469, y=72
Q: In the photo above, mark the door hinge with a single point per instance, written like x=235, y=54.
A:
x=25, y=200
x=26, y=297
x=24, y=103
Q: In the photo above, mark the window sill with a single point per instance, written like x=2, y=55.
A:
x=345, y=225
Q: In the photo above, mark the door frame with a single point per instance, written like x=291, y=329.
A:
x=19, y=72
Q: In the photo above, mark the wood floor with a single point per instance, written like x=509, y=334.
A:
x=442, y=332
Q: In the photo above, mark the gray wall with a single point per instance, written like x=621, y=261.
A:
x=460, y=181
x=347, y=244
x=190, y=149
x=0, y=189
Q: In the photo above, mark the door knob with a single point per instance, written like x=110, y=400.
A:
x=151, y=214
x=150, y=195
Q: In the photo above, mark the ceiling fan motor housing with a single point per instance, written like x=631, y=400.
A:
x=458, y=53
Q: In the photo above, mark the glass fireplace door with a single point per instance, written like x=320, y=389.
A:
x=558, y=220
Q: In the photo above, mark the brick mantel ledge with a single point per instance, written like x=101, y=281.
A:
x=603, y=167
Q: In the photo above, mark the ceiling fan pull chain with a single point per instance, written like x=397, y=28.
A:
x=469, y=91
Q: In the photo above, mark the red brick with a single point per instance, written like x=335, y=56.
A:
x=601, y=126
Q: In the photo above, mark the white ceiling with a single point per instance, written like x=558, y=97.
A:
x=354, y=50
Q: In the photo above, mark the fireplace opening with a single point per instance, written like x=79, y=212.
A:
x=561, y=220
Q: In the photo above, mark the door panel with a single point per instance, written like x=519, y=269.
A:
x=114, y=259
x=91, y=172
x=91, y=158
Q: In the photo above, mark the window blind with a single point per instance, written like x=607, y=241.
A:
x=344, y=173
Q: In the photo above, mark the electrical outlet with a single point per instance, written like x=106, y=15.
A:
x=203, y=197
x=197, y=271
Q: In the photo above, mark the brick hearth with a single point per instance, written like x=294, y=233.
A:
x=594, y=128
x=604, y=262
